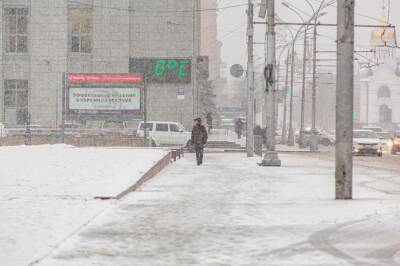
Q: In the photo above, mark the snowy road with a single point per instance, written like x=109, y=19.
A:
x=232, y=212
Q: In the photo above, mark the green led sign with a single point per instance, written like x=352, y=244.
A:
x=168, y=70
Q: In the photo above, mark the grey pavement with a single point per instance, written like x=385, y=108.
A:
x=232, y=212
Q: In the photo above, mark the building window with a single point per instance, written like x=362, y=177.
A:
x=385, y=114
x=384, y=92
x=16, y=29
x=81, y=29
x=16, y=101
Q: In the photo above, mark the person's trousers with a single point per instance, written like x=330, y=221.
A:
x=199, y=148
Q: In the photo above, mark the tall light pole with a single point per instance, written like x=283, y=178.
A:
x=284, y=126
x=314, y=141
x=271, y=157
x=344, y=99
x=290, y=141
x=315, y=16
x=303, y=86
x=283, y=49
x=303, y=90
x=250, y=82
x=195, y=55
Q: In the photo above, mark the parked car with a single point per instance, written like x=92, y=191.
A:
x=322, y=137
x=106, y=127
x=396, y=143
x=366, y=142
x=164, y=133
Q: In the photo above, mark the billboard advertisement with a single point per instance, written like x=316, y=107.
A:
x=104, y=99
x=166, y=70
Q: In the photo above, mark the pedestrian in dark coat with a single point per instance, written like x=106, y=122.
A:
x=239, y=127
x=199, y=139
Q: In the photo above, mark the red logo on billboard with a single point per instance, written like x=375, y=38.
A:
x=105, y=78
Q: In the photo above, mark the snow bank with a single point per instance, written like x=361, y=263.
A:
x=47, y=192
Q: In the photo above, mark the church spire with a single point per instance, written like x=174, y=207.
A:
x=384, y=19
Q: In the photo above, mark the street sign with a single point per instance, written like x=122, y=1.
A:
x=180, y=94
x=237, y=71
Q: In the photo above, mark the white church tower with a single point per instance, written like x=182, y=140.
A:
x=380, y=79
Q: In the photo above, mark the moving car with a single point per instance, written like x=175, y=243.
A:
x=164, y=133
x=385, y=138
x=366, y=142
x=396, y=143
x=376, y=129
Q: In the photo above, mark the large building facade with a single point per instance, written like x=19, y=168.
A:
x=42, y=39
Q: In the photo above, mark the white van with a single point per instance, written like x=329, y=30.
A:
x=164, y=133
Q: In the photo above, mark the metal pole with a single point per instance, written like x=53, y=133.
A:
x=314, y=141
x=271, y=157
x=64, y=109
x=284, y=127
x=147, y=141
x=290, y=141
x=195, y=55
x=367, y=85
x=344, y=99
x=250, y=82
x=303, y=91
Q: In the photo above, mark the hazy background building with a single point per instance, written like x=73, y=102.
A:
x=42, y=39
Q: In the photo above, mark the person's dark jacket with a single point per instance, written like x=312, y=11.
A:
x=199, y=135
x=238, y=126
x=258, y=131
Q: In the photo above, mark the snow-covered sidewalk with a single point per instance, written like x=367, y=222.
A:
x=47, y=193
x=231, y=212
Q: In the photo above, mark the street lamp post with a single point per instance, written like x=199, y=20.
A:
x=314, y=140
x=271, y=157
x=290, y=141
x=315, y=16
x=303, y=89
x=284, y=127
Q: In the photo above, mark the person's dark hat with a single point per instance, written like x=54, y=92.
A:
x=198, y=119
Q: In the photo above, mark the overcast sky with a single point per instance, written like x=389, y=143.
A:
x=232, y=25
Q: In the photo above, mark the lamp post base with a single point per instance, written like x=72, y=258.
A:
x=271, y=158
